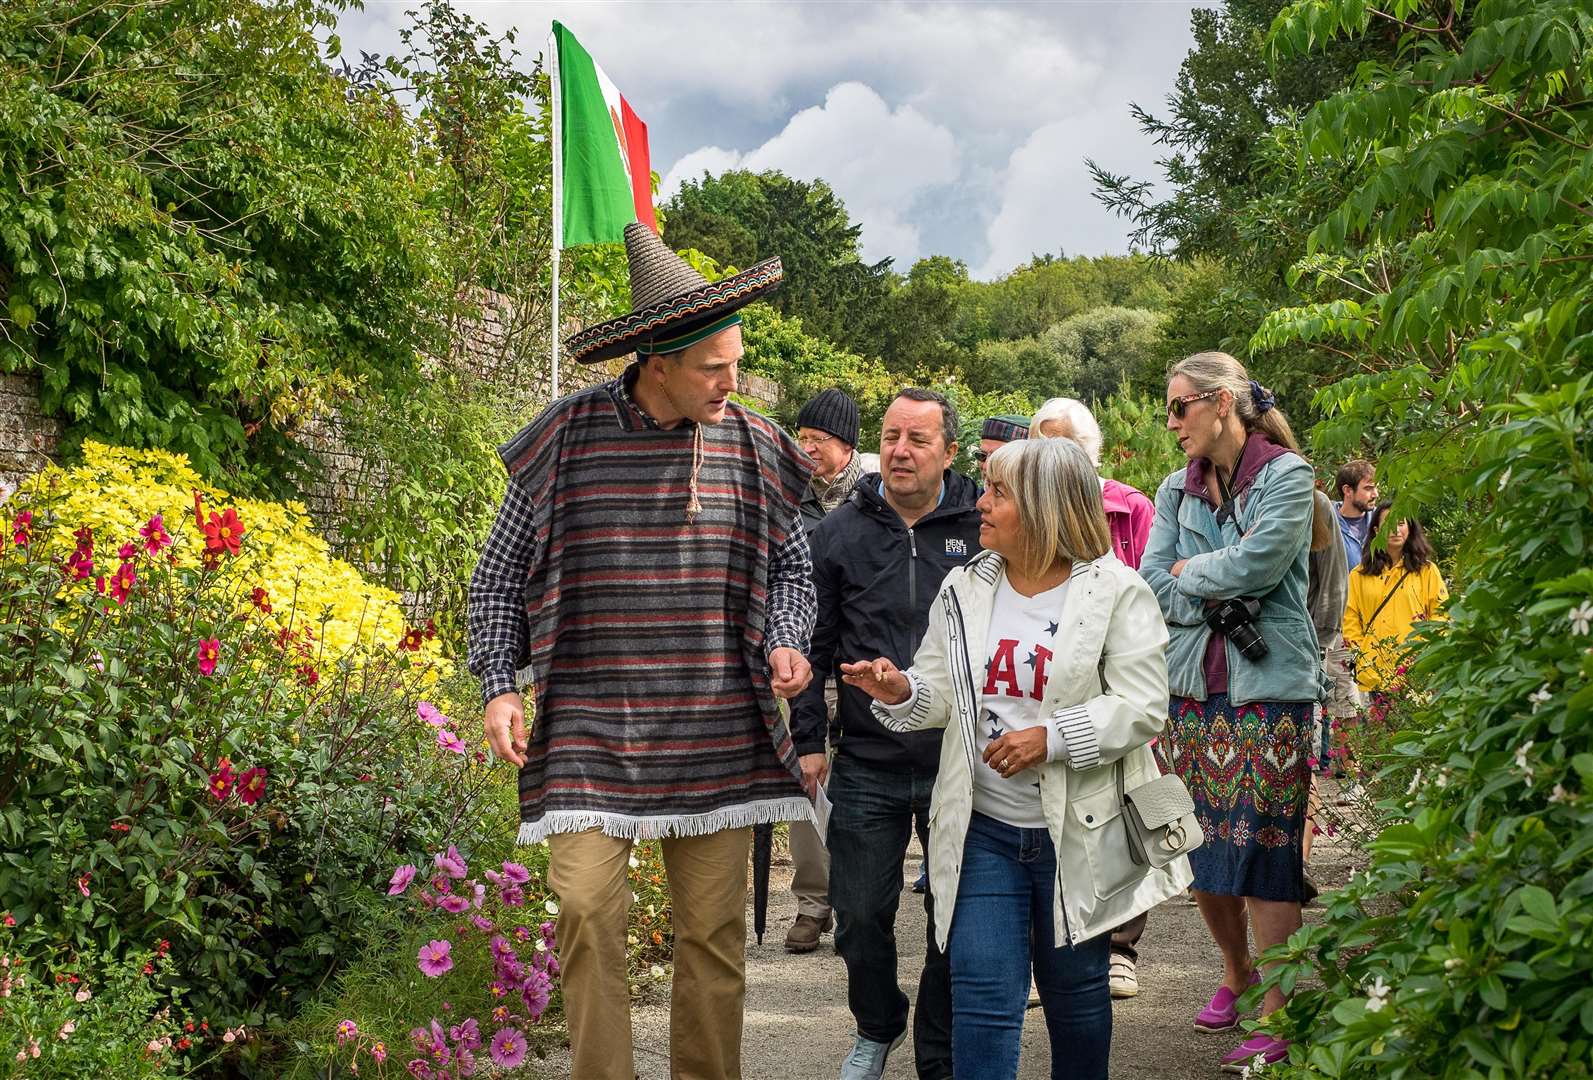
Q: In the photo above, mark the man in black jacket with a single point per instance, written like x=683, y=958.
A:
x=878, y=562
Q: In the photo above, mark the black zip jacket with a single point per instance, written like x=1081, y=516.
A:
x=876, y=580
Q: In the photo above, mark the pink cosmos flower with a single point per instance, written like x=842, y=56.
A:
x=454, y=905
x=466, y=1035
x=209, y=653
x=379, y=1052
x=346, y=1030
x=535, y=991
x=154, y=534
x=251, y=785
x=508, y=1048
x=435, y=958
x=451, y=863
x=482, y=923
x=400, y=879
x=516, y=873
x=428, y=712
x=447, y=740
x=513, y=896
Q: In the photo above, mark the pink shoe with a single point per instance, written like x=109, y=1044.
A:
x=1221, y=1012
x=1256, y=1050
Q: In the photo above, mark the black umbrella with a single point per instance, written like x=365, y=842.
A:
x=762, y=856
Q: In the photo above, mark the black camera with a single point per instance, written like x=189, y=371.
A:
x=1235, y=619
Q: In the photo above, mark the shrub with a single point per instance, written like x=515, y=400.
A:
x=88, y=1019
x=1461, y=951
x=216, y=746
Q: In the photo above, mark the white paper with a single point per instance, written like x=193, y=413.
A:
x=821, y=814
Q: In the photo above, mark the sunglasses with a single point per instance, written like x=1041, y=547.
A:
x=980, y=456
x=1180, y=405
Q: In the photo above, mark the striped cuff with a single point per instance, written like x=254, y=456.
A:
x=1070, y=737
x=911, y=714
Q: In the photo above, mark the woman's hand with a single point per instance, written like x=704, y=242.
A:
x=1177, y=567
x=1016, y=750
x=879, y=679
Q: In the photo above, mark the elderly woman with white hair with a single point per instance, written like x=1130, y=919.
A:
x=1045, y=663
x=1128, y=512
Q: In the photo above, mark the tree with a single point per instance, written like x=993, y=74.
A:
x=741, y=217
x=205, y=236
x=1106, y=347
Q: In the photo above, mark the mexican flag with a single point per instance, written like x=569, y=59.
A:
x=602, y=178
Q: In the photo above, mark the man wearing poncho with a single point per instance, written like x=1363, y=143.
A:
x=648, y=567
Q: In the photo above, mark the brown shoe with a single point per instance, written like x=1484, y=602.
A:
x=804, y=933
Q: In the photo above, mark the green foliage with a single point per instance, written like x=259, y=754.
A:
x=205, y=236
x=1451, y=277
x=77, y=1017
x=1136, y=447
x=740, y=217
x=187, y=757
x=779, y=348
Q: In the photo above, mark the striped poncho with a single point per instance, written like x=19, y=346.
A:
x=645, y=635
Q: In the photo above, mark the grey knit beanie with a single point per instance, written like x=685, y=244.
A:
x=831, y=410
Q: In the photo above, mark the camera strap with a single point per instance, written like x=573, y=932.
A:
x=1227, y=510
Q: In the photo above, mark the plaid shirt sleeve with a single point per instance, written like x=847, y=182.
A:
x=498, y=626
x=792, y=600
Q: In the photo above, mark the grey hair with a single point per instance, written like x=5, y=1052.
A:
x=1076, y=415
x=1058, y=495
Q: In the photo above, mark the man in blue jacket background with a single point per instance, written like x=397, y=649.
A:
x=878, y=562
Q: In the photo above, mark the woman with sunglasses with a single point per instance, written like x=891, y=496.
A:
x=1227, y=559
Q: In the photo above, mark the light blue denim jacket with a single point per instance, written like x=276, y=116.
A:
x=1263, y=551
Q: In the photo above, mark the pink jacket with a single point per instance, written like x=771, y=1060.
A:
x=1128, y=515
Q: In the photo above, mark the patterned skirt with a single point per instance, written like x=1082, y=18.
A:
x=1247, y=767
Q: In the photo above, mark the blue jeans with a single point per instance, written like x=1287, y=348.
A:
x=875, y=812
x=1003, y=918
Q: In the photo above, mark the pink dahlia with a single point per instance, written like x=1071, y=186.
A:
x=209, y=653
x=155, y=536
x=251, y=785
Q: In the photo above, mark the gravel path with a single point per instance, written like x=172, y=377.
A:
x=798, y=1026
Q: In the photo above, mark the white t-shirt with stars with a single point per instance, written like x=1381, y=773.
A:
x=1019, y=651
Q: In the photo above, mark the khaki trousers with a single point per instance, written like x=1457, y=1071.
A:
x=810, y=861
x=708, y=894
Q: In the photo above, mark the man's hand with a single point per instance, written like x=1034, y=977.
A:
x=505, y=725
x=789, y=672
x=815, y=770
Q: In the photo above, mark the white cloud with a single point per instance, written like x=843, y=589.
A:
x=878, y=159
x=948, y=127
x=1045, y=197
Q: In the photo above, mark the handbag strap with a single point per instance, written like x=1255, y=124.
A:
x=1136, y=849
x=1379, y=610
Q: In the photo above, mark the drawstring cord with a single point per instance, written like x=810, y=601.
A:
x=693, y=503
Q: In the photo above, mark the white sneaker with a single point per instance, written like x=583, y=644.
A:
x=867, y=1059
x=1122, y=978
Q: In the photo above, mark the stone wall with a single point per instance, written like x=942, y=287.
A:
x=28, y=438
x=500, y=346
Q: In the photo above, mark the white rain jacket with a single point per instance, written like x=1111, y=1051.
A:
x=1107, y=697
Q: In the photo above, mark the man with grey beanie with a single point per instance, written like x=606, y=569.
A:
x=827, y=430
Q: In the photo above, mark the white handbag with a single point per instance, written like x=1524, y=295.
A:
x=1159, y=817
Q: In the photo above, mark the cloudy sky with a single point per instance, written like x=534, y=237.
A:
x=948, y=128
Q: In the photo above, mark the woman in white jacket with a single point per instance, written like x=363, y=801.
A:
x=1044, y=661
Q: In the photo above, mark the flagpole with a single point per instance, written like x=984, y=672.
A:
x=558, y=196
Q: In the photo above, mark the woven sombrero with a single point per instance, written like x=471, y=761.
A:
x=672, y=306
